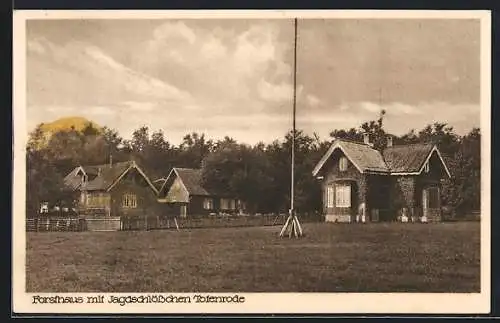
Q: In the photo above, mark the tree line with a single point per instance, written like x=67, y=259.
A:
x=258, y=174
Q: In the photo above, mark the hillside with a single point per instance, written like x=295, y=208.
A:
x=79, y=123
x=62, y=124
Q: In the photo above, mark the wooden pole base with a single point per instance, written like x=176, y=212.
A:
x=292, y=227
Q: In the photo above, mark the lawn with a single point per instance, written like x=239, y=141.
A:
x=378, y=257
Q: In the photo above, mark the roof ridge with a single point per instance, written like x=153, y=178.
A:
x=413, y=144
x=106, y=165
x=351, y=141
x=186, y=168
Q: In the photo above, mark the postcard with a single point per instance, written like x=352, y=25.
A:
x=268, y=162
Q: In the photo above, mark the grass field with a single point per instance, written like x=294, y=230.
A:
x=442, y=257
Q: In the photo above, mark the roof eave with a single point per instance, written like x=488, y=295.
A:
x=327, y=155
x=435, y=149
x=376, y=172
x=133, y=164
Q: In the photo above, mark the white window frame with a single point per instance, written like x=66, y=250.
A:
x=330, y=196
x=343, y=195
x=208, y=204
x=227, y=204
x=343, y=164
x=129, y=201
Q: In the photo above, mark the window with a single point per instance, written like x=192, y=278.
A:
x=97, y=200
x=227, y=204
x=129, y=200
x=342, y=164
x=343, y=196
x=90, y=200
x=329, y=197
x=183, y=211
x=208, y=204
x=44, y=207
x=433, y=196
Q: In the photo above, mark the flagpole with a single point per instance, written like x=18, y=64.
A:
x=292, y=223
x=292, y=195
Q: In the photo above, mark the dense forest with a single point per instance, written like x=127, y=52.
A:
x=258, y=174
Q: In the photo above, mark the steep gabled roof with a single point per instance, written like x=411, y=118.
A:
x=158, y=183
x=104, y=177
x=364, y=157
x=396, y=160
x=72, y=180
x=406, y=158
x=193, y=182
x=191, y=179
x=410, y=159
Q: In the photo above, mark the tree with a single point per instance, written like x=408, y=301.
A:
x=462, y=191
x=193, y=149
x=239, y=170
x=374, y=129
x=44, y=183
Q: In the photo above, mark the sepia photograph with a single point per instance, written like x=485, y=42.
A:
x=208, y=158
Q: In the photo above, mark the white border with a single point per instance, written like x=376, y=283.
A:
x=263, y=302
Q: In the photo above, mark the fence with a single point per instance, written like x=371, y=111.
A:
x=192, y=222
x=124, y=223
x=54, y=224
x=102, y=224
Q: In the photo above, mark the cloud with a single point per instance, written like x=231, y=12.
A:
x=99, y=111
x=344, y=107
x=135, y=81
x=234, y=77
x=395, y=108
x=140, y=106
x=222, y=67
x=35, y=46
x=399, y=119
x=274, y=92
x=170, y=31
x=313, y=100
x=370, y=107
x=79, y=73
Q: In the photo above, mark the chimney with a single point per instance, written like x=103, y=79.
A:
x=389, y=141
x=366, y=138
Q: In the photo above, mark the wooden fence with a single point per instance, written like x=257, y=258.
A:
x=161, y=223
x=103, y=224
x=124, y=223
x=54, y=224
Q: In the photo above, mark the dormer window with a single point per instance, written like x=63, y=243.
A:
x=342, y=164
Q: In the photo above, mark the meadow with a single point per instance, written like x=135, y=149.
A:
x=376, y=257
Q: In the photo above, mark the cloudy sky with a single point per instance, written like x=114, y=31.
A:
x=234, y=77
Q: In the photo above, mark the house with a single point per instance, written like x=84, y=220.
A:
x=183, y=194
x=362, y=183
x=112, y=189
